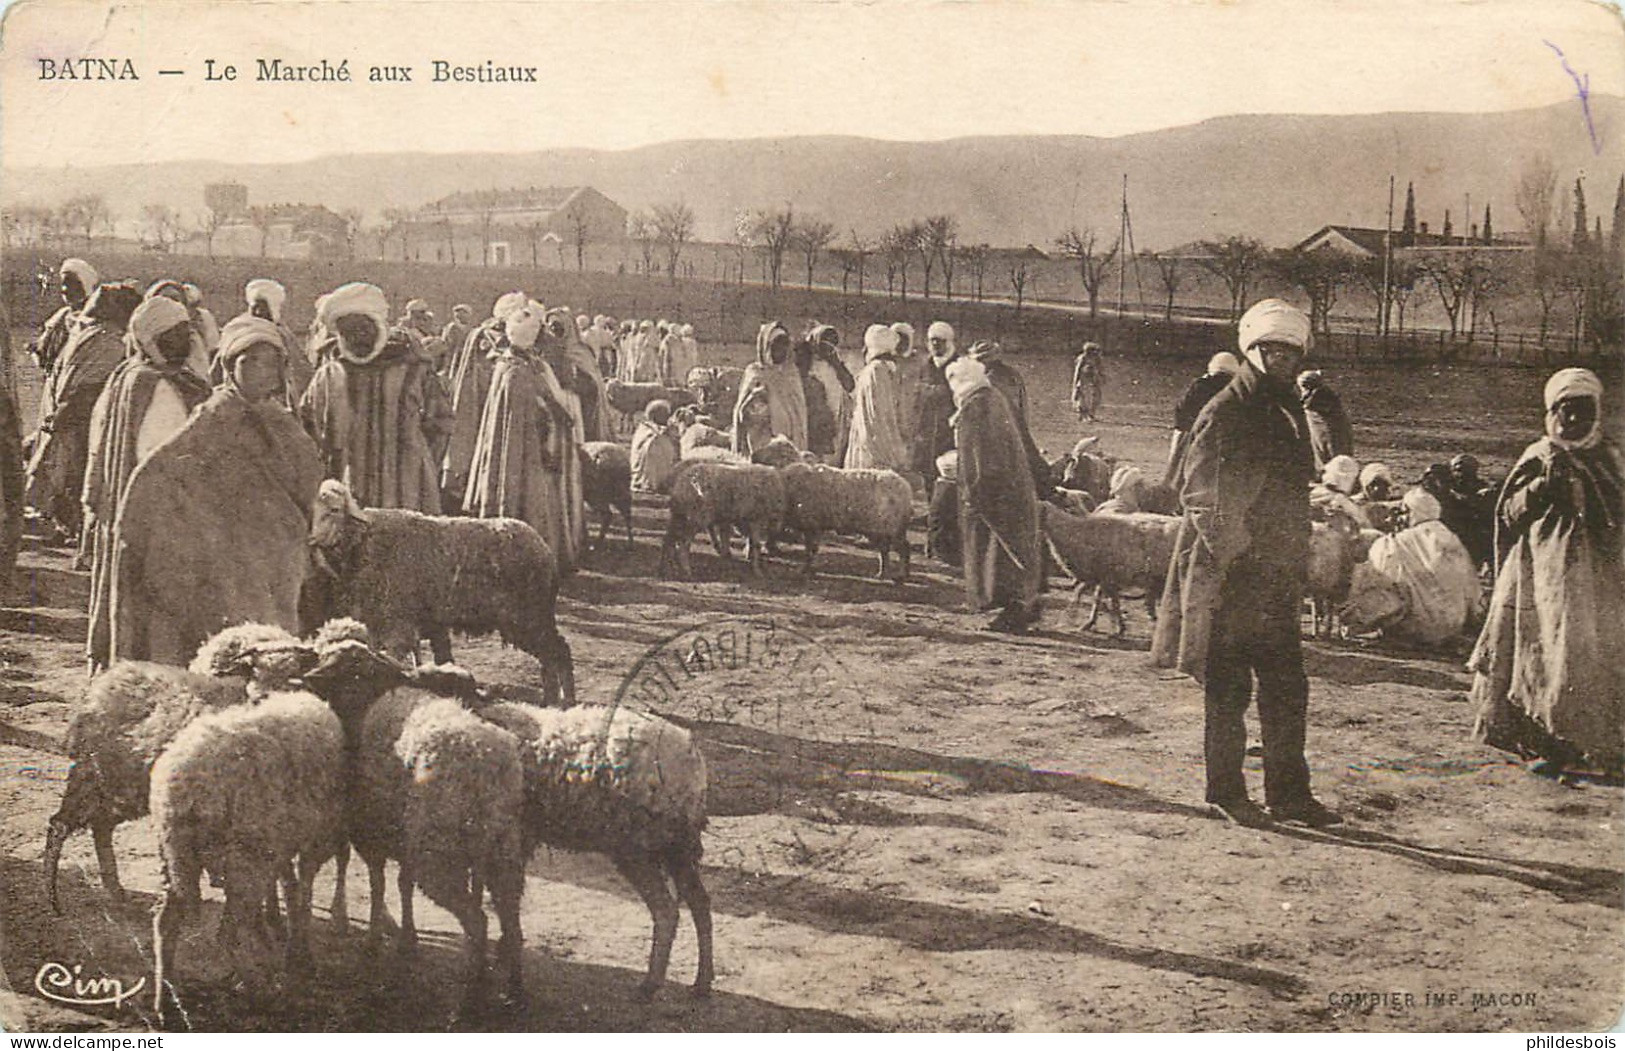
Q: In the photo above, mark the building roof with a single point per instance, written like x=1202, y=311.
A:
x=1366, y=240
x=532, y=198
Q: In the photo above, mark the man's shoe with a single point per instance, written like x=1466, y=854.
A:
x=1309, y=812
x=1243, y=812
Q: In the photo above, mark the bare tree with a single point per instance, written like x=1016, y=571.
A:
x=210, y=222
x=163, y=225
x=533, y=237
x=860, y=247
x=976, y=259
x=580, y=231
x=485, y=236
x=1233, y=259
x=1452, y=275
x=1319, y=275
x=640, y=228
x=352, y=230
x=673, y=229
x=810, y=237
x=1018, y=279
x=1169, y=269
x=260, y=218
x=744, y=235
x=941, y=236
x=920, y=242
x=84, y=213
x=772, y=233
x=898, y=245
x=1084, y=247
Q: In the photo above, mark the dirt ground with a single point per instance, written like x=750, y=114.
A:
x=916, y=825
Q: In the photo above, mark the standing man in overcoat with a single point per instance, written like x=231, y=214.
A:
x=1232, y=607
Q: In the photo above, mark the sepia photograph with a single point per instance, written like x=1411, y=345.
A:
x=880, y=516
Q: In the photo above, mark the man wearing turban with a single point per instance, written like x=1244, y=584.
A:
x=77, y=279
x=827, y=387
x=266, y=299
x=998, y=503
x=149, y=398
x=1548, y=678
x=1220, y=368
x=213, y=525
x=470, y=371
x=1233, y=601
x=876, y=438
x=931, y=422
x=375, y=407
x=772, y=400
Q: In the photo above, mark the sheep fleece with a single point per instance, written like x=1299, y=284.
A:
x=823, y=499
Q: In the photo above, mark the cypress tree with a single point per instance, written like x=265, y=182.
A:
x=1407, y=229
x=1488, y=237
x=1582, y=232
x=1448, y=229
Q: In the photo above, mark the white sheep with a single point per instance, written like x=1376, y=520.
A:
x=129, y=714
x=440, y=792
x=1333, y=547
x=1113, y=552
x=252, y=793
x=698, y=436
x=870, y=503
x=716, y=497
x=627, y=785
x=407, y=575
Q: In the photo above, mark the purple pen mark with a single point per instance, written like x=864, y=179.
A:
x=1582, y=85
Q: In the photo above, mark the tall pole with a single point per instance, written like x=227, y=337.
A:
x=1387, y=261
x=1122, y=245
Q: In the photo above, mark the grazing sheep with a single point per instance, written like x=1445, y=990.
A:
x=871, y=503
x=627, y=785
x=407, y=575
x=130, y=714
x=440, y=792
x=1114, y=552
x=606, y=481
x=715, y=497
x=1332, y=547
x=252, y=793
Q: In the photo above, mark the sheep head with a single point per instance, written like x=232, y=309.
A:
x=332, y=514
x=227, y=651
x=349, y=676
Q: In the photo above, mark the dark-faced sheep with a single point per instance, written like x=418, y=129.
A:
x=407, y=576
x=606, y=482
x=627, y=785
x=870, y=503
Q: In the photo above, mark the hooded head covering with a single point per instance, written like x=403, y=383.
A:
x=1127, y=486
x=986, y=350
x=904, y=331
x=1573, y=383
x=822, y=333
x=1275, y=321
x=688, y=330
x=357, y=297
x=943, y=331
x=1421, y=506
x=164, y=287
x=271, y=293
x=113, y=303
x=765, y=337
x=151, y=319
x=1310, y=379
x=583, y=322
x=1341, y=473
x=240, y=333
x=1465, y=463
x=965, y=376
x=418, y=306
x=507, y=303
x=82, y=270
x=1224, y=362
x=524, y=326
x=192, y=294
x=1374, y=471
x=879, y=341
x=658, y=411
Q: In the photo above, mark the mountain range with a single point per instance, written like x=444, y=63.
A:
x=1274, y=177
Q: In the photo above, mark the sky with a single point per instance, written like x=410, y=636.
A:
x=613, y=74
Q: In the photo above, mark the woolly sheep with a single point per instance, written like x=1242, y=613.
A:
x=252, y=793
x=440, y=792
x=407, y=575
x=606, y=481
x=627, y=785
x=1114, y=552
x=716, y=454
x=871, y=503
x=130, y=713
x=1332, y=549
x=629, y=399
x=780, y=452
x=715, y=497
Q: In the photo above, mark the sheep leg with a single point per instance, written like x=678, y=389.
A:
x=903, y=554
x=809, y=544
x=341, y=905
x=647, y=879
x=507, y=886
x=686, y=875
x=1116, y=601
x=626, y=512
x=166, y=928
x=1077, y=598
x=440, y=644
x=295, y=949
x=755, y=538
x=407, y=940
x=1094, y=610
x=101, y=834
x=885, y=558
x=378, y=917
x=722, y=540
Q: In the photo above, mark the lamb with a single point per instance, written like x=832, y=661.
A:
x=606, y=481
x=131, y=712
x=439, y=791
x=252, y=793
x=1332, y=550
x=1115, y=552
x=872, y=503
x=715, y=497
x=406, y=575
x=627, y=785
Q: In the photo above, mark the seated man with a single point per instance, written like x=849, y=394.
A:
x=1433, y=571
x=654, y=449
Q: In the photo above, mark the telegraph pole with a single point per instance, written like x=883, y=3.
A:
x=1387, y=261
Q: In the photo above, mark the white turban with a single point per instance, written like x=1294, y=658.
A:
x=1125, y=478
x=1371, y=472
x=879, y=340
x=153, y=317
x=1421, y=506
x=193, y=294
x=271, y=292
x=583, y=322
x=940, y=330
x=1273, y=320
x=965, y=376
x=357, y=297
x=688, y=330
x=82, y=270
x=904, y=331
x=1341, y=473
x=1224, y=362
x=507, y=303
x=1573, y=383
x=243, y=332
x=524, y=325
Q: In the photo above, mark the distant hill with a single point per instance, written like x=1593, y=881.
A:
x=1277, y=178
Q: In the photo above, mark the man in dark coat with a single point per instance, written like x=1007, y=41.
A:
x=1232, y=605
x=1007, y=381
x=1330, y=433
x=932, y=427
x=1220, y=368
